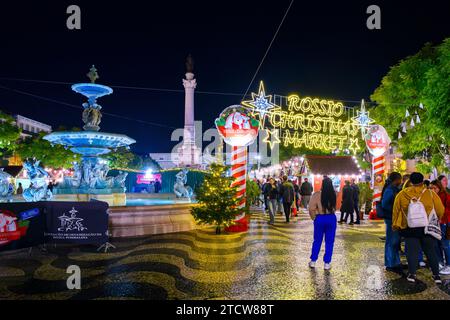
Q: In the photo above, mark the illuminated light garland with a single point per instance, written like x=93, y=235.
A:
x=260, y=104
x=314, y=140
x=354, y=146
x=362, y=118
x=315, y=106
x=272, y=137
x=315, y=121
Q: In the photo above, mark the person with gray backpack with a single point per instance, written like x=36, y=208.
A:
x=416, y=215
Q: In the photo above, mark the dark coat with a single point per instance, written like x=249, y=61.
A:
x=266, y=188
x=272, y=193
x=355, y=193
x=306, y=189
x=347, y=199
x=287, y=192
x=387, y=201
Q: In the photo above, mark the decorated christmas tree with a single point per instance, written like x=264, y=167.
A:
x=217, y=202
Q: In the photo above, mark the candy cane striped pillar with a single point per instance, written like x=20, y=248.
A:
x=377, y=169
x=239, y=172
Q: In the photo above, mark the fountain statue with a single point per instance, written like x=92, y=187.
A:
x=37, y=191
x=180, y=188
x=90, y=175
x=6, y=186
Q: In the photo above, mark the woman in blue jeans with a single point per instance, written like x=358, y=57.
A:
x=322, y=208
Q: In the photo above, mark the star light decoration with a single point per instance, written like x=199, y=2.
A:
x=260, y=104
x=362, y=118
x=272, y=137
x=354, y=146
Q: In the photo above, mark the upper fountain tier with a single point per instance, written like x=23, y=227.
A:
x=90, y=142
x=92, y=91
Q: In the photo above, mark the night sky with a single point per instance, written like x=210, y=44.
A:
x=323, y=49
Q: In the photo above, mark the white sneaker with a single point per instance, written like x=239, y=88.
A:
x=327, y=266
x=445, y=270
x=441, y=266
x=422, y=264
x=312, y=264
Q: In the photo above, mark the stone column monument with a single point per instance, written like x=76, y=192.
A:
x=189, y=153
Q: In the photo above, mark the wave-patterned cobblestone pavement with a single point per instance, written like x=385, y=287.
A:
x=268, y=262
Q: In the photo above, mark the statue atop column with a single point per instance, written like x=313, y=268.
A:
x=189, y=64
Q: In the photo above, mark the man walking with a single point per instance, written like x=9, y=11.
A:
x=355, y=189
x=287, y=194
x=306, y=191
x=265, y=191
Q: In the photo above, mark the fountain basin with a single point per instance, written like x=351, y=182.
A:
x=92, y=90
x=89, y=143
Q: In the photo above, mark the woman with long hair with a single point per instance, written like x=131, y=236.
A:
x=322, y=207
x=443, y=246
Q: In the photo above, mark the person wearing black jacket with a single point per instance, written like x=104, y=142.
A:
x=347, y=207
x=272, y=199
x=355, y=189
x=306, y=191
x=265, y=191
x=287, y=194
x=297, y=196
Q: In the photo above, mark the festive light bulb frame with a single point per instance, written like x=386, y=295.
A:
x=309, y=122
x=362, y=119
x=260, y=104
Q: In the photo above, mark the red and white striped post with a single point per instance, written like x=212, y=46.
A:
x=239, y=173
x=239, y=129
x=378, y=168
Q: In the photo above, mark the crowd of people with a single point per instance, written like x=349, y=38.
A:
x=415, y=211
x=280, y=195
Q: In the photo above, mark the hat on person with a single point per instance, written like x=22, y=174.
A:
x=416, y=178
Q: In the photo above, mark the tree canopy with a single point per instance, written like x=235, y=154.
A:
x=123, y=158
x=51, y=156
x=9, y=134
x=420, y=133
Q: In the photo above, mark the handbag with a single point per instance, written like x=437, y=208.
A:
x=434, y=227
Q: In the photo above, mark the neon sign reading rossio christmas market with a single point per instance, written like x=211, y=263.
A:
x=308, y=122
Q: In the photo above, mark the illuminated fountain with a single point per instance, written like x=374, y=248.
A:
x=90, y=180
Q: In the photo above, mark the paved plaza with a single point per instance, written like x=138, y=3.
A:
x=267, y=262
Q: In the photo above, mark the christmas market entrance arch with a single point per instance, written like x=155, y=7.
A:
x=321, y=125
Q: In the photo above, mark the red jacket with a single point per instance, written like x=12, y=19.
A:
x=445, y=198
